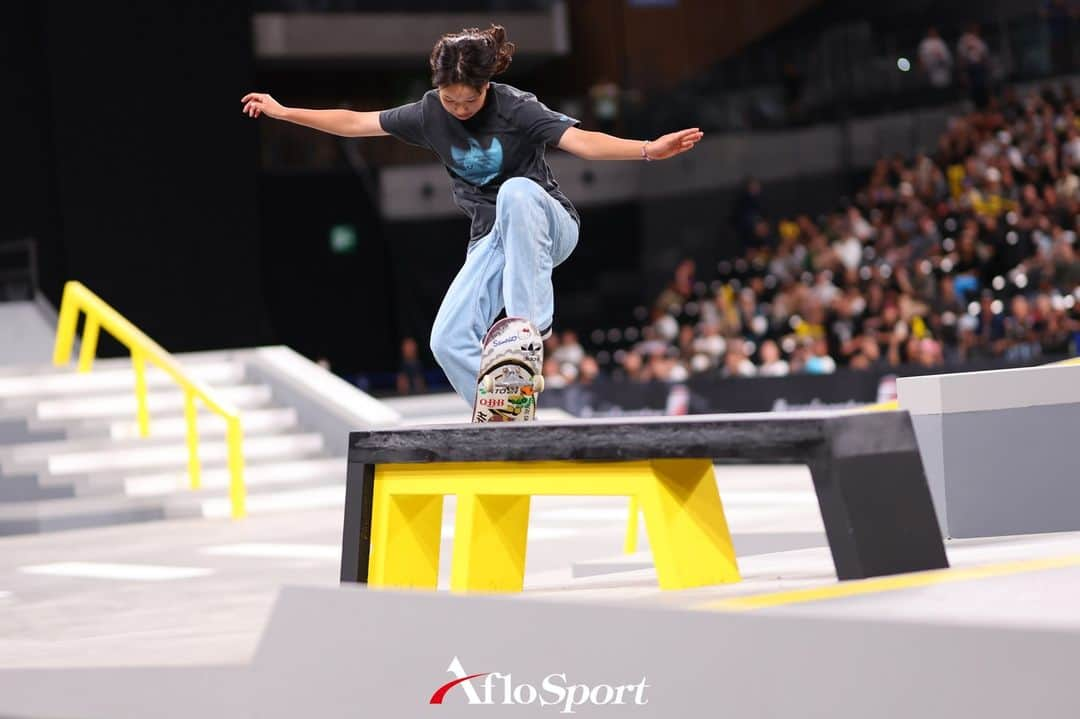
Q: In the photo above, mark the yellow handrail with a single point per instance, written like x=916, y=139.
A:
x=143, y=349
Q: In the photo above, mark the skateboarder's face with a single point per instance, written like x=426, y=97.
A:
x=462, y=101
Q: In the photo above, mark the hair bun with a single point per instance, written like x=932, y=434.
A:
x=504, y=49
x=471, y=56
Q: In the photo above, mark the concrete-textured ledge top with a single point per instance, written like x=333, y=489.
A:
x=794, y=437
x=990, y=389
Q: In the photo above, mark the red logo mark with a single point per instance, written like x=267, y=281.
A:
x=437, y=697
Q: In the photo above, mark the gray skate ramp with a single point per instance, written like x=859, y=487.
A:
x=125, y=693
x=349, y=651
x=29, y=328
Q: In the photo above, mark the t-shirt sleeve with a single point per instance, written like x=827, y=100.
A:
x=406, y=123
x=542, y=124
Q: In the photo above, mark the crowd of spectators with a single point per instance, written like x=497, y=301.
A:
x=972, y=66
x=969, y=253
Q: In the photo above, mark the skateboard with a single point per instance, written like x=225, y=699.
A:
x=511, y=372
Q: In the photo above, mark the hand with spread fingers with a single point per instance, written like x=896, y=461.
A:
x=259, y=103
x=673, y=143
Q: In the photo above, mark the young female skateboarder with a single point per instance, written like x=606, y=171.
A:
x=491, y=137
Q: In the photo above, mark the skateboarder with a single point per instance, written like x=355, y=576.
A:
x=491, y=137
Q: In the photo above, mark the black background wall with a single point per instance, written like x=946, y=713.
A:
x=132, y=163
x=31, y=201
x=337, y=306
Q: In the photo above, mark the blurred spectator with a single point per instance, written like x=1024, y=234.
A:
x=1061, y=17
x=974, y=58
x=935, y=60
x=569, y=372
x=633, y=367
x=410, y=377
x=551, y=345
x=819, y=361
x=867, y=354
x=772, y=365
x=710, y=345
x=1020, y=341
x=589, y=371
x=605, y=106
x=656, y=337
x=678, y=292
x=553, y=376
x=736, y=363
x=793, y=80
x=747, y=213
x=569, y=350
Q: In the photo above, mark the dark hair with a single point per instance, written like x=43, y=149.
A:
x=470, y=57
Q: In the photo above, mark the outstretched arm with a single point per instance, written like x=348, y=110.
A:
x=346, y=123
x=598, y=146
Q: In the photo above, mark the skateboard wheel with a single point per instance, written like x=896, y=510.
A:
x=488, y=383
x=538, y=383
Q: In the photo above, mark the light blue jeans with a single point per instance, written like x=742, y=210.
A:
x=509, y=268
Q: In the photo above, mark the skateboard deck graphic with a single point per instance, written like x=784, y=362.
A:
x=511, y=364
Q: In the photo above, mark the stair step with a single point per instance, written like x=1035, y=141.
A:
x=254, y=421
x=119, y=406
x=286, y=486
x=302, y=492
x=27, y=488
x=321, y=497
x=166, y=431
x=69, y=382
x=271, y=474
x=17, y=431
x=171, y=455
x=76, y=513
x=101, y=364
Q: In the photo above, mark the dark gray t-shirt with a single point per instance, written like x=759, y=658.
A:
x=507, y=138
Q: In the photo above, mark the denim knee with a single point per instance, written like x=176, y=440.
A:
x=517, y=189
x=440, y=345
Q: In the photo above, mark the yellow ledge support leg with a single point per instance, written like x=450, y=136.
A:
x=688, y=533
x=405, y=535
x=489, y=543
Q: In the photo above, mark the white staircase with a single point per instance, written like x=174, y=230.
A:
x=70, y=455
